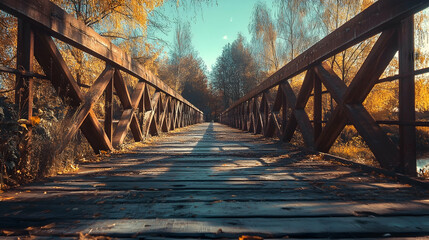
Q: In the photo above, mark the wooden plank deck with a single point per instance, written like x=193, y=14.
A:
x=212, y=181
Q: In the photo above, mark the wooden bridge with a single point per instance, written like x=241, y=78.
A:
x=209, y=180
x=212, y=181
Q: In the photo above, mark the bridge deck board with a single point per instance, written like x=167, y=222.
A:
x=213, y=181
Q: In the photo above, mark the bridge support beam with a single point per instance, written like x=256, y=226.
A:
x=24, y=85
x=407, y=115
x=396, y=28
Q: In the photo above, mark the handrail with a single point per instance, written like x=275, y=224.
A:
x=54, y=20
x=256, y=113
x=375, y=19
x=142, y=112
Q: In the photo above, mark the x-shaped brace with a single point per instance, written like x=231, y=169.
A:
x=349, y=102
x=54, y=66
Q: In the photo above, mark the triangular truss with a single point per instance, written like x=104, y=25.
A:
x=142, y=112
x=282, y=116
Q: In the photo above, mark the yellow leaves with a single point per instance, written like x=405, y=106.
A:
x=48, y=226
x=69, y=168
x=7, y=233
x=6, y=198
x=246, y=237
x=382, y=98
x=99, y=185
x=34, y=120
x=217, y=201
x=74, y=167
x=89, y=237
x=366, y=4
x=122, y=20
x=422, y=95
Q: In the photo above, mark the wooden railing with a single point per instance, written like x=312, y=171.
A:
x=142, y=112
x=257, y=113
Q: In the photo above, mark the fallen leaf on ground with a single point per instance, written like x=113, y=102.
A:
x=7, y=233
x=245, y=237
x=99, y=185
x=6, y=198
x=111, y=225
x=51, y=225
x=89, y=237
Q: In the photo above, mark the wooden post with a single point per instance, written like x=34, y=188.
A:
x=140, y=114
x=284, y=110
x=317, y=107
x=24, y=63
x=24, y=85
x=108, y=110
x=407, y=133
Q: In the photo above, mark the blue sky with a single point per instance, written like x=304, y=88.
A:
x=213, y=25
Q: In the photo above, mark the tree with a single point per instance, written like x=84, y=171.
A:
x=235, y=71
x=264, y=37
x=8, y=31
x=173, y=69
x=222, y=74
x=122, y=21
x=182, y=48
x=195, y=88
x=185, y=71
x=246, y=70
x=336, y=13
x=297, y=25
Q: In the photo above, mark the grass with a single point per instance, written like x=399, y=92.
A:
x=350, y=145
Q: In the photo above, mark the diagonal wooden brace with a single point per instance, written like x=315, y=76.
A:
x=272, y=126
x=85, y=107
x=299, y=117
x=53, y=65
x=350, y=99
x=129, y=117
x=164, y=116
x=151, y=123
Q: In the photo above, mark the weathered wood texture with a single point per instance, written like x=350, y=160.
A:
x=212, y=181
x=39, y=21
x=394, y=20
